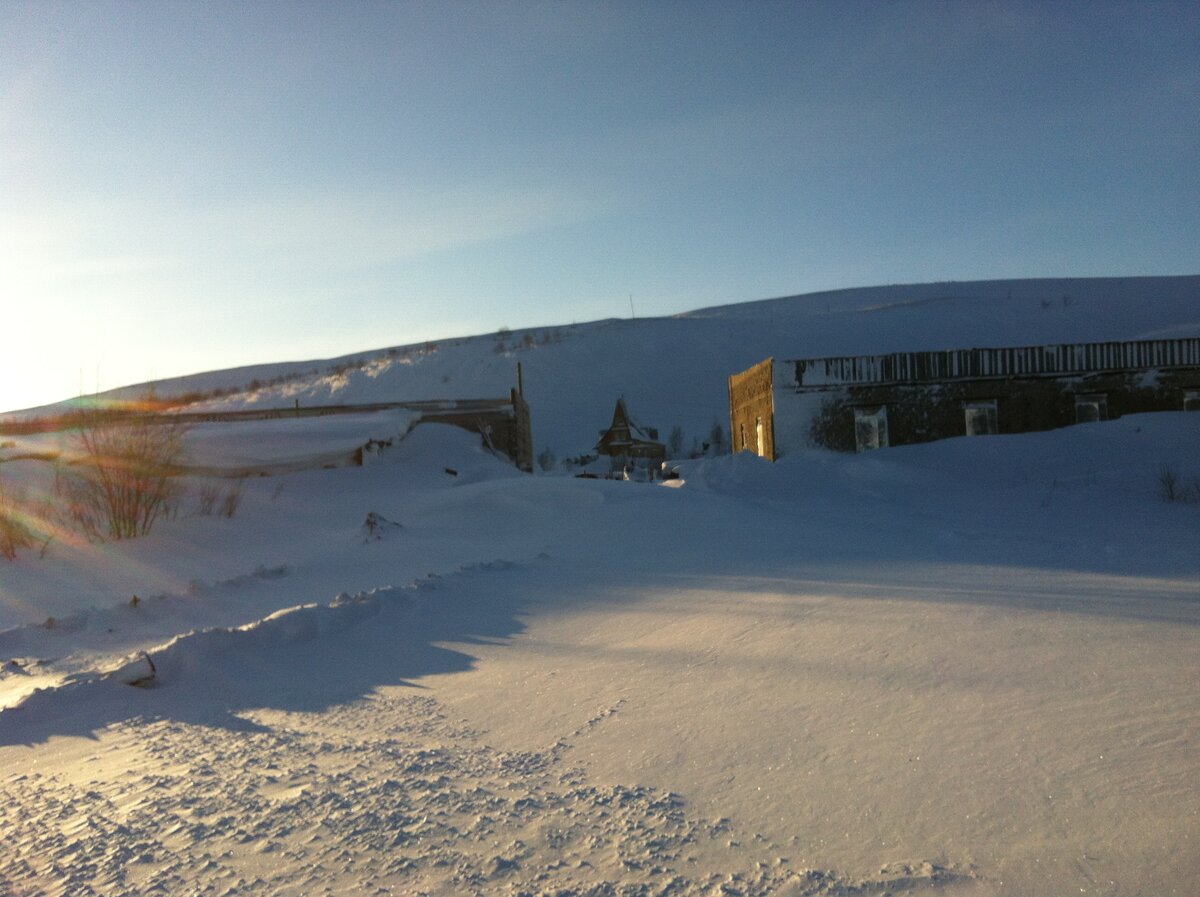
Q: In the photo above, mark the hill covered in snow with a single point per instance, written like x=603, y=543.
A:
x=673, y=371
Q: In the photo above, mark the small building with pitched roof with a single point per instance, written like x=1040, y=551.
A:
x=627, y=439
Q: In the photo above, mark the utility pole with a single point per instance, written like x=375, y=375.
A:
x=631, y=314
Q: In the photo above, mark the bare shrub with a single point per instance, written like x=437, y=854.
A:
x=716, y=438
x=233, y=498
x=1169, y=486
x=126, y=476
x=675, y=441
x=15, y=532
x=1172, y=488
x=579, y=461
x=209, y=499
x=206, y=498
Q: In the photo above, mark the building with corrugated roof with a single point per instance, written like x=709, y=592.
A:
x=863, y=402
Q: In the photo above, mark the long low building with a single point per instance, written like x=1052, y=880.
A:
x=863, y=402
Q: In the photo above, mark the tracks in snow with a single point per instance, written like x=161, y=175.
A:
x=382, y=795
x=379, y=793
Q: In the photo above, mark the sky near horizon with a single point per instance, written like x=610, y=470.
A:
x=193, y=186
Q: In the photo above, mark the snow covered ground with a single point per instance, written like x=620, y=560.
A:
x=968, y=666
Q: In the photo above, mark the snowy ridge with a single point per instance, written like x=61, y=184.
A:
x=200, y=653
x=673, y=371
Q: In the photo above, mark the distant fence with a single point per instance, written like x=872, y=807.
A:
x=976, y=364
x=70, y=420
x=503, y=423
x=432, y=407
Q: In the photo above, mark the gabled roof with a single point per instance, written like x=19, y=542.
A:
x=624, y=430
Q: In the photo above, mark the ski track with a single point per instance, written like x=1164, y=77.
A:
x=382, y=795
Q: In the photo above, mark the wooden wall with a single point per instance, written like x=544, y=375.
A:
x=751, y=399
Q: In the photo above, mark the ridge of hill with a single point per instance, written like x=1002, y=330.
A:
x=673, y=370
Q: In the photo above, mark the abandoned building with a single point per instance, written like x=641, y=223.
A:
x=503, y=424
x=627, y=443
x=863, y=402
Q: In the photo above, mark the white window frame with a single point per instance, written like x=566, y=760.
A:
x=870, y=421
x=977, y=410
x=1099, y=401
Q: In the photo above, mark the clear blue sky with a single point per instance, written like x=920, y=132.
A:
x=188, y=186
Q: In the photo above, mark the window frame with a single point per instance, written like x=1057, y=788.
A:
x=875, y=415
x=988, y=410
x=1098, y=400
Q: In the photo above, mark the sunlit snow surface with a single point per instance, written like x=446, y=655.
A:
x=967, y=666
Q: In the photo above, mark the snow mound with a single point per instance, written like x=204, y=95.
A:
x=451, y=454
x=291, y=440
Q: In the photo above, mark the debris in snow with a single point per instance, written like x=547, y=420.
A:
x=376, y=525
x=139, y=672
